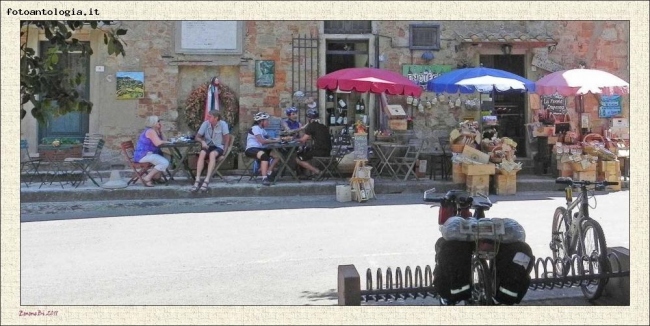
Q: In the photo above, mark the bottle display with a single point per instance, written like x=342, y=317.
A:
x=345, y=117
x=332, y=118
x=362, y=107
x=357, y=107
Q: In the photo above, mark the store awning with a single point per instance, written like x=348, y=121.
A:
x=508, y=38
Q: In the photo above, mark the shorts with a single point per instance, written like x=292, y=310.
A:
x=212, y=149
x=308, y=155
x=252, y=152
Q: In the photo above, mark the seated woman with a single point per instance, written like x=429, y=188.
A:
x=256, y=141
x=147, y=151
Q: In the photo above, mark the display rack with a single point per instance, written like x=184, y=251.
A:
x=343, y=117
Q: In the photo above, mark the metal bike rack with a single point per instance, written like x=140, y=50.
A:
x=546, y=277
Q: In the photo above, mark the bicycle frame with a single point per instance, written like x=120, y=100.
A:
x=574, y=224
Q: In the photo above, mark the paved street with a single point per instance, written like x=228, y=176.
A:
x=251, y=251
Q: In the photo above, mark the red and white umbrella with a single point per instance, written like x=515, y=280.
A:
x=581, y=81
x=371, y=80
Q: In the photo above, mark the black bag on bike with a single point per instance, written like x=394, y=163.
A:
x=452, y=274
x=514, y=261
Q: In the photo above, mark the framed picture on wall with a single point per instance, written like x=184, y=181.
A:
x=130, y=85
x=264, y=73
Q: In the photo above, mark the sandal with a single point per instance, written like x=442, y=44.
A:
x=205, y=186
x=196, y=186
x=147, y=183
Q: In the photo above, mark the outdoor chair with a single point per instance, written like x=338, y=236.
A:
x=90, y=144
x=440, y=163
x=329, y=166
x=139, y=169
x=250, y=169
x=28, y=165
x=85, y=165
x=406, y=164
x=221, y=159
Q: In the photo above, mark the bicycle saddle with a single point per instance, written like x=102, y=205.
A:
x=478, y=201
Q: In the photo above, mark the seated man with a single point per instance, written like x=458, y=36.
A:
x=213, y=135
x=322, y=145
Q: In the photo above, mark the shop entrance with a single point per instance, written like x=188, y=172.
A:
x=510, y=108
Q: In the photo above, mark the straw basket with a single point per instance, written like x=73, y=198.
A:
x=457, y=148
x=593, y=137
x=493, y=156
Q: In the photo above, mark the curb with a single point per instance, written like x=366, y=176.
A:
x=219, y=188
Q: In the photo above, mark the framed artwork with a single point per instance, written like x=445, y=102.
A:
x=264, y=73
x=130, y=85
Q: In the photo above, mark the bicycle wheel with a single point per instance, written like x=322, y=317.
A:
x=481, y=284
x=560, y=239
x=594, y=258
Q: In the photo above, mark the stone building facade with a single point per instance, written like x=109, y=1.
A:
x=170, y=75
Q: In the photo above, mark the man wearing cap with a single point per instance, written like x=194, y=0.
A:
x=321, y=146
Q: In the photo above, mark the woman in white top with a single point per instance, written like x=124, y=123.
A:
x=256, y=141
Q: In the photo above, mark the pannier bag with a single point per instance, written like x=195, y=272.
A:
x=505, y=230
x=514, y=261
x=453, y=272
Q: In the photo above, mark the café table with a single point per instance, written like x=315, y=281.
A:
x=54, y=167
x=286, y=151
x=178, y=151
x=385, y=151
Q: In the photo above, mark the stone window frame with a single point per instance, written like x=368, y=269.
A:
x=415, y=28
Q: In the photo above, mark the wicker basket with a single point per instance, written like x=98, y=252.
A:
x=493, y=157
x=457, y=148
x=593, y=137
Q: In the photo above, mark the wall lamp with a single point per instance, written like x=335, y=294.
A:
x=507, y=49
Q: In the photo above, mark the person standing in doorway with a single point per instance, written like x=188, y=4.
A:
x=214, y=136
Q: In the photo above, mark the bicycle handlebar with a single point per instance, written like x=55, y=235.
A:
x=571, y=182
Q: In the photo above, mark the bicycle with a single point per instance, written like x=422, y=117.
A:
x=574, y=233
x=486, y=236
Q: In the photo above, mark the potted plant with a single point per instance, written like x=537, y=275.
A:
x=229, y=108
x=59, y=146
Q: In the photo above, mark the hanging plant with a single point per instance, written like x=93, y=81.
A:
x=228, y=106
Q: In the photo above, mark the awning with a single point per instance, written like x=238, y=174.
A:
x=508, y=38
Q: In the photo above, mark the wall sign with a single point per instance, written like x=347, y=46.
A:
x=361, y=146
x=555, y=104
x=610, y=106
x=209, y=37
x=543, y=62
x=424, y=73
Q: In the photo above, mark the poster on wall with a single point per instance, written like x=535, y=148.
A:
x=264, y=73
x=130, y=85
x=421, y=74
x=610, y=106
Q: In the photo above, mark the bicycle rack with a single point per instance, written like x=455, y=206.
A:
x=546, y=276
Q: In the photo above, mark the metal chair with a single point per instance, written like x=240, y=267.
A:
x=139, y=169
x=87, y=164
x=28, y=165
x=406, y=163
x=329, y=165
x=222, y=158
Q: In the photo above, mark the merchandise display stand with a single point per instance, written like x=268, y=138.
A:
x=360, y=182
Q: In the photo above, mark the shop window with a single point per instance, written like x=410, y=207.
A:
x=348, y=27
x=424, y=37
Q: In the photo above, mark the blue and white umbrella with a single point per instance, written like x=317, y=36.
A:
x=482, y=80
